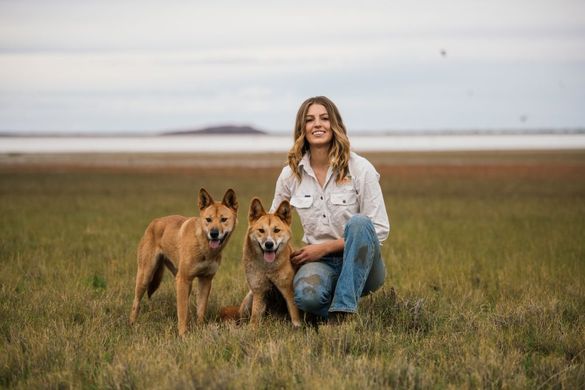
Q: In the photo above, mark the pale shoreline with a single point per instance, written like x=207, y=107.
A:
x=281, y=144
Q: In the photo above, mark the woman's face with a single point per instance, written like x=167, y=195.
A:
x=318, y=128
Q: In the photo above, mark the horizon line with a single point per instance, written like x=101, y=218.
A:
x=201, y=132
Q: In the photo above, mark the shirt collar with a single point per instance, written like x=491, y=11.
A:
x=305, y=164
x=305, y=161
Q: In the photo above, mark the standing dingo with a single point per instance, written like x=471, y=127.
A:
x=190, y=248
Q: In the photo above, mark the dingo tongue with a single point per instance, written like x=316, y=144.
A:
x=269, y=256
x=214, y=244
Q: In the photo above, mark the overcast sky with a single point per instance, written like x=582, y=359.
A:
x=80, y=66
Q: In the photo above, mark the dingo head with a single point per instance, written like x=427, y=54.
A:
x=218, y=218
x=271, y=232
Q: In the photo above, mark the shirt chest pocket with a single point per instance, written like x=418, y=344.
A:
x=345, y=198
x=301, y=202
x=343, y=205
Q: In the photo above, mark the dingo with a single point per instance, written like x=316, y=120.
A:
x=267, y=261
x=190, y=248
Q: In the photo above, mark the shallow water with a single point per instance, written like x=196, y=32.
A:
x=272, y=143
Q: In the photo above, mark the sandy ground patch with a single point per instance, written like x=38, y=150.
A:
x=541, y=163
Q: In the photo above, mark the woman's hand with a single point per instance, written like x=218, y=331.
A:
x=314, y=252
x=307, y=254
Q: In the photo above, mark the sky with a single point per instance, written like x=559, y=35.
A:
x=152, y=66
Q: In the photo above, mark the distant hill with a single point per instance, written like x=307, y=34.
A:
x=218, y=130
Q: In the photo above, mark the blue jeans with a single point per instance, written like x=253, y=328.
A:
x=336, y=282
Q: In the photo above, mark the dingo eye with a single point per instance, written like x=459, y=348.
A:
x=276, y=230
x=261, y=230
x=208, y=219
x=223, y=219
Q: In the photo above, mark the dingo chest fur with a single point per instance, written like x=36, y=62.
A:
x=190, y=248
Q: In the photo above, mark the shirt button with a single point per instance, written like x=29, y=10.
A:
x=321, y=198
x=323, y=215
x=344, y=201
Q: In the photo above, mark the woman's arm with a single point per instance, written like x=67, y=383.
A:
x=282, y=190
x=314, y=252
x=372, y=202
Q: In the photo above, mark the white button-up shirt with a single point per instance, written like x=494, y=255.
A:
x=325, y=211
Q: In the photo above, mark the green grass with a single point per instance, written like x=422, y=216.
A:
x=485, y=287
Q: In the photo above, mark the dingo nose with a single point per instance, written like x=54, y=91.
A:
x=268, y=245
x=214, y=233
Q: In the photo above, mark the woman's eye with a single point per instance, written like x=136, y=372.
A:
x=308, y=119
x=208, y=219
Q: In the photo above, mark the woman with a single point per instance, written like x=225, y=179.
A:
x=340, y=203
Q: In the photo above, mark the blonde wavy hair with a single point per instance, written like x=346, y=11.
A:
x=339, y=149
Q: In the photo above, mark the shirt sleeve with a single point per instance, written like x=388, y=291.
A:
x=371, y=201
x=282, y=190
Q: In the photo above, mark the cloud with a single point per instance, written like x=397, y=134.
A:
x=133, y=65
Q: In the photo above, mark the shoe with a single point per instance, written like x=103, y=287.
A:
x=339, y=317
x=312, y=320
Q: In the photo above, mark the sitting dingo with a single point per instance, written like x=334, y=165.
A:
x=190, y=248
x=266, y=260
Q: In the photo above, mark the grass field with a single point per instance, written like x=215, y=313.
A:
x=486, y=282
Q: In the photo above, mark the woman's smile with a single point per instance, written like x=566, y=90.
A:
x=317, y=126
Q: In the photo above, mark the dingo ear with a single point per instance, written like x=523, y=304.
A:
x=284, y=212
x=229, y=199
x=256, y=210
x=204, y=199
